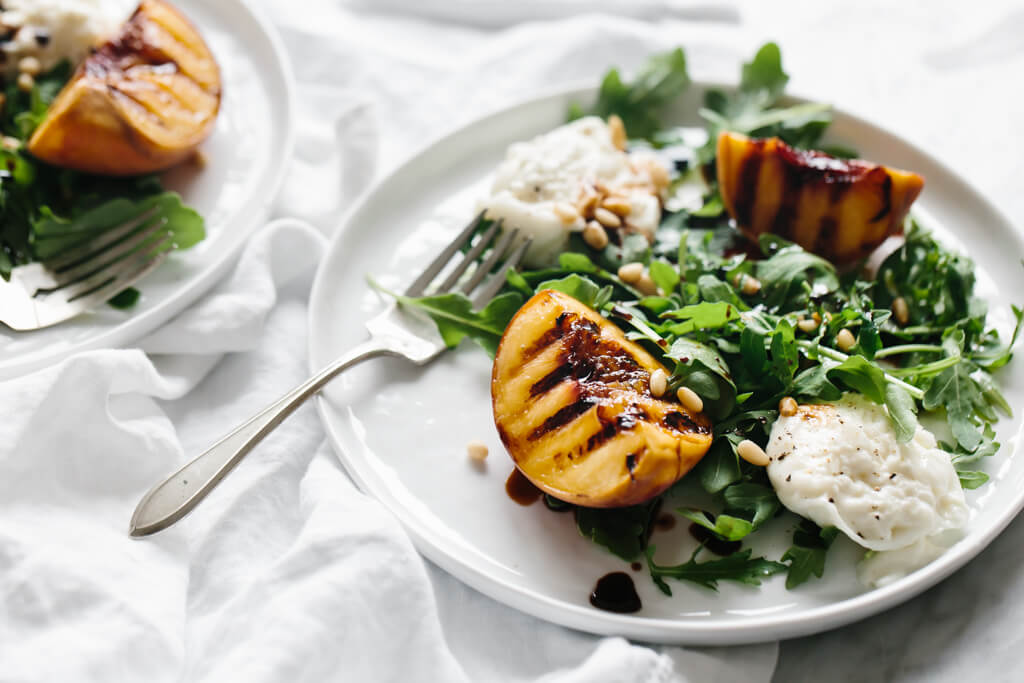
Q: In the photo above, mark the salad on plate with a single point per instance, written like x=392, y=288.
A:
x=740, y=323
x=96, y=103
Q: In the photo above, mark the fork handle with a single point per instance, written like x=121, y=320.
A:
x=176, y=496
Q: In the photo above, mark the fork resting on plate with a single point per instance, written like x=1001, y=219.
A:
x=394, y=332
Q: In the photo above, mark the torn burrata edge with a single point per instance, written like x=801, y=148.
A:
x=550, y=186
x=840, y=464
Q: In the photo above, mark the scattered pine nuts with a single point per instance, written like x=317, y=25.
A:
x=477, y=451
x=659, y=383
x=807, y=325
x=900, y=310
x=630, y=273
x=787, y=407
x=595, y=236
x=620, y=206
x=567, y=213
x=607, y=218
x=617, y=129
x=845, y=340
x=586, y=204
x=29, y=65
x=750, y=285
x=659, y=174
x=646, y=285
x=752, y=453
x=26, y=82
x=690, y=400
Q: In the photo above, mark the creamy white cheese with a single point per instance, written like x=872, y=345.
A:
x=559, y=168
x=54, y=30
x=841, y=465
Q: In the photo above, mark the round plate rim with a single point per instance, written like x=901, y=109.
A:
x=249, y=218
x=751, y=629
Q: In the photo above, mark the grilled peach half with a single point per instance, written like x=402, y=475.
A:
x=142, y=102
x=840, y=209
x=573, y=406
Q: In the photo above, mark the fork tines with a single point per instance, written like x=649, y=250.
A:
x=507, y=251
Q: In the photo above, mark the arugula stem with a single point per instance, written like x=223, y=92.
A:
x=927, y=368
x=908, y=348
x=839, y=357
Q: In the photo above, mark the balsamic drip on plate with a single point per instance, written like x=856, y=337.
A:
x=521, y=490
x=615, y=592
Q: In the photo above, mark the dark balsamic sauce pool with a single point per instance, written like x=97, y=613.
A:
x=521, y=490
x=616, y=592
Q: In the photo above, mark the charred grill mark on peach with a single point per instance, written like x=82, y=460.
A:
x=581, y=404
x=886, y=192
x=684, y=424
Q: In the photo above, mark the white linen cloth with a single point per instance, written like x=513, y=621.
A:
x=287, y=573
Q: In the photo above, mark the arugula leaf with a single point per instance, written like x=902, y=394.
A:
x=814, y=384
x=720, y=467
x=752, y=109
x=757, y=500
x=902, y=412
x=660, y=80
x=623, y=531
x=785, y=355
x=807, y=554
x=702, y=316
x=959, y=395
x=52, y=234
x=970, y=479
x=664, y=275
x=724, y=526
x=861, y=375
x=453, y=313
x=784, y=273
x=583, y=289
x=739, y=567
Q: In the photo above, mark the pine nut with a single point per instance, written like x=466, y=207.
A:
x=10, y=144
x=617, y=129
x=586, y=204
x=659, y=383
x=807, y=325
x=845, y=340
x=620, y=206
x=900, y=310
x=787, y=407
x=828, y=317
x=607, y=218
x=26, y=82
x=567, y=213
x=752, y=453
x=595, y=236
x=750, y=285
x=690, y=400
x=29, y=65
x=477, y=451
x=646, y=285
x=659, y=174
x=817, y=317
x=630, y=273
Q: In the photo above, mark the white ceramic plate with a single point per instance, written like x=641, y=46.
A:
x=401, y=431
x=245, y=157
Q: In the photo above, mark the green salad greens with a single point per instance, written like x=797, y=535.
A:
x=45, y=210
x=743, y=349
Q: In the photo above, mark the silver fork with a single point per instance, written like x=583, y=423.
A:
x=394, y=332
x=48, y=292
